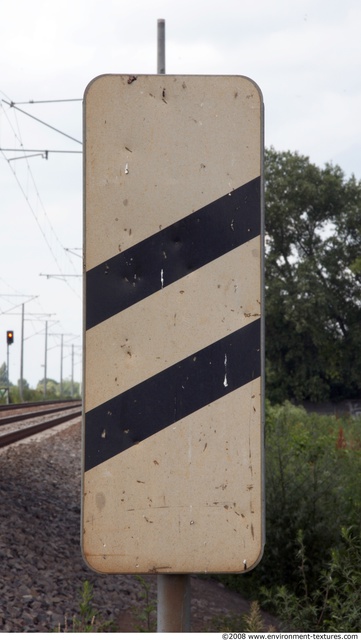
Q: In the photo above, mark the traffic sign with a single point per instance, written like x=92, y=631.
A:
x=172, y=430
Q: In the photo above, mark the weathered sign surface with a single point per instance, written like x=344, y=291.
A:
x=173, y=446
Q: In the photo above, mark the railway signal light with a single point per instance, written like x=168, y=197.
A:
x=9, y=337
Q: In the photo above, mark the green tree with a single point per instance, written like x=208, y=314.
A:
x=313, y=280
x=71, y=389
x=3, y=375
x=52, y=388
x=29, y=395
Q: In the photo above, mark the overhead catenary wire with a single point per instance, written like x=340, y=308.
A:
x=32, y=155
x=46, y=124
x=18, y=138
x=38, y=222
x=26, y=182
x=49, y=101
x=37, y=152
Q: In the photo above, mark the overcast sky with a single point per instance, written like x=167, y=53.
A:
x=304, y=54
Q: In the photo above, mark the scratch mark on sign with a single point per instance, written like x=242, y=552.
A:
x=225, y=381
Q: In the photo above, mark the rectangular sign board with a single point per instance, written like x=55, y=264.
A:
x=173, y=373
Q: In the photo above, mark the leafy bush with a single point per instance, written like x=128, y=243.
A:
x=313, y=466
x=335, y=605
x=312, y=485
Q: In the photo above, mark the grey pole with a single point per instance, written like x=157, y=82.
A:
x=21, y=385
x=174, y=590
x=45, y=356
x=161, y=47
x=174, y=603
x=7, y=372
x=72, y=371
x=61, y=366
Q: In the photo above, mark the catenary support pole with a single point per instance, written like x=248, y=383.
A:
x=45, y=356
x=61, y=364
x=174, y=592
x=21, y=381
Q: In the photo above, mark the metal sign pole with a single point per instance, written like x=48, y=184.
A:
x=174, y=600
x=161, y=46
x=174, y=591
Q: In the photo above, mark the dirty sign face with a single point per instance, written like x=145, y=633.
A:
x=172, y=432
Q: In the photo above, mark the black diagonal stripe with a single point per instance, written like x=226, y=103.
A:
x=172, y=394
x=172, y=253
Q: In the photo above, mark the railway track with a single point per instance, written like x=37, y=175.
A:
x=31, y=419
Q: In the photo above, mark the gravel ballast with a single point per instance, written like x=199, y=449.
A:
x=42, y=570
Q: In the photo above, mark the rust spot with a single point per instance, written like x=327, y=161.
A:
x=156, y=569
x=156, y=462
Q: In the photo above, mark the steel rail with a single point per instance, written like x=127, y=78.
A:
x=37, y=403
x=21, y=434
x=21, y=417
